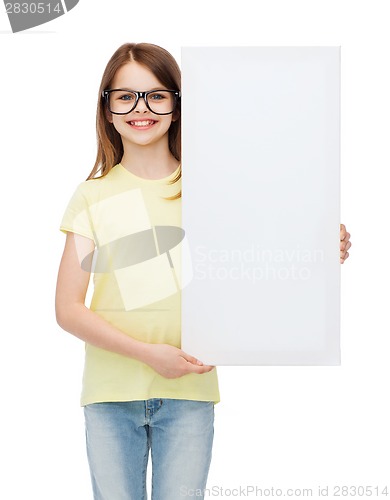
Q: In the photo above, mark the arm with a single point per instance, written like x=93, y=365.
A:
x=73, y=316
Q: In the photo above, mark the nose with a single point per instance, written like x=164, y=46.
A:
x=141, y=106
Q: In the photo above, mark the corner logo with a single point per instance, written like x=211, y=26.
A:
x=25, y=15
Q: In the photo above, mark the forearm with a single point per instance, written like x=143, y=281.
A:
x=88, y=326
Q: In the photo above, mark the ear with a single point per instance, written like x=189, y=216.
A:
x=175, y=116
x=108, y=116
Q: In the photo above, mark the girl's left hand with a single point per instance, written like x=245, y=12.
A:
x=345, y=244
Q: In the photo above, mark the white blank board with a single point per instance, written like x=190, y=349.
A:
x=261, y=205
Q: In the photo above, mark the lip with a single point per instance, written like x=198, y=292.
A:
x=151, y=123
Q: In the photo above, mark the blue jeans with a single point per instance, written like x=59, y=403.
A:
x=178, y=432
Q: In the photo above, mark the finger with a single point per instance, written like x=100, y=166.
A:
x=344, y=234
x=345, y=245
x=199, y=369
x=191, y=359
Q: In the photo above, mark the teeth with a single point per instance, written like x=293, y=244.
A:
x=143, y=123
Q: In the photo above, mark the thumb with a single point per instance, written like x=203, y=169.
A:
x=191, y=359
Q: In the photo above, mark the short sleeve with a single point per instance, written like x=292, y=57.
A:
x=76, y=218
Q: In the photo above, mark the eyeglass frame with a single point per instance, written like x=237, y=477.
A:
x=144, y=94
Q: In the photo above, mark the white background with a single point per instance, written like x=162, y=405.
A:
x=281, y=427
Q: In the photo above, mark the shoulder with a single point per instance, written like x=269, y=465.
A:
x=96, y=188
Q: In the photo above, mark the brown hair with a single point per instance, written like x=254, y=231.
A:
x=109, y=143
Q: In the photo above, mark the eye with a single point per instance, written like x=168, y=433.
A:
x=126, y=97
x=122, y=96
x=158, y=96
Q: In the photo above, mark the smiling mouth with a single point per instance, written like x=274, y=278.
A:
x=141, y=123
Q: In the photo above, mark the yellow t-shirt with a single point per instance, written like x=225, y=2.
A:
x=137, y=282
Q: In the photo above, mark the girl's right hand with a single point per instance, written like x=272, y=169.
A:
x=74, y=317
x=171, y=362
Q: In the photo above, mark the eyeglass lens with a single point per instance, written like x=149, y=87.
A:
x=121, y=101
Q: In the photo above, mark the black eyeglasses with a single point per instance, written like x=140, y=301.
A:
x=123, y=101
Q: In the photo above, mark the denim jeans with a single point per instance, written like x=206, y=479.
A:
x=178, y=432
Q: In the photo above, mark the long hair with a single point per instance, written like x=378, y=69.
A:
x=109, y=143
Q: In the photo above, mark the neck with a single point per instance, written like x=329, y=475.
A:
x=151, y=161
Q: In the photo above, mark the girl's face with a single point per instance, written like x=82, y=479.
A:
x=140, y=126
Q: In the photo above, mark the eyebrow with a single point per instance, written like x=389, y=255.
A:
x=151, y=90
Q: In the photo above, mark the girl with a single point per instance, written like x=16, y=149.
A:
x=140, y=391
